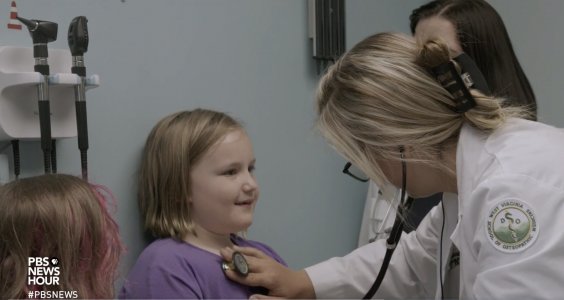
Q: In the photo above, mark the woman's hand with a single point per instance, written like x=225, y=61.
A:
x=268, y=273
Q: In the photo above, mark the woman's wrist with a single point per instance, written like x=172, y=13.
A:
x=303, y=284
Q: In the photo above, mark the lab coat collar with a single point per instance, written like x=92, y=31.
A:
x=469, y=153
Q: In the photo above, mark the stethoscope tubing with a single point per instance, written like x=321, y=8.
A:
x=395, y=235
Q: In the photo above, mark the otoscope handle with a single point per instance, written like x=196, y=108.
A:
x=45, y=129
x=40, y=50
x=43, y=69
x=80, y=71
x=44, y=115
x=81, y=125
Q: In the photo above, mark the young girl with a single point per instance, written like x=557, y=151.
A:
x=59, y=222
x=197, y=189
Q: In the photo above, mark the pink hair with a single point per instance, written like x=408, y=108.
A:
x=106, y=270
x=62, y=216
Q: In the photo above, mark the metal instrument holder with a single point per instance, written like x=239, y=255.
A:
x=19, y=116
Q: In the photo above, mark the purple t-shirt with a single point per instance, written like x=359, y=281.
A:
x=171, y=269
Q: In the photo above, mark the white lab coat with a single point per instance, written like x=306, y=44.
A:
x=523, y=163
x=378, y=217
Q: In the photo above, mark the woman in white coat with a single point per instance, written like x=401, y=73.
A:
x=388, y=102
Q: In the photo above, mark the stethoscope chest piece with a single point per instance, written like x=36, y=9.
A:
x=238, y=264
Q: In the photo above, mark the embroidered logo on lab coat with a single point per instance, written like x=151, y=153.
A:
x=511, y=226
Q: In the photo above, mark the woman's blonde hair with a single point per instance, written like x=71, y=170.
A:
x=380, y=96
x=173, y=147
x=59, y=216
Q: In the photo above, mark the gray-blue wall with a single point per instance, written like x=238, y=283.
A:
x=251, y=58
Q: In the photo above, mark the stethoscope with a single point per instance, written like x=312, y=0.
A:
x=395, y=234
x=238, y=264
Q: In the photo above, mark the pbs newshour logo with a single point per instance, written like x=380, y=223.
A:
x=43, y=271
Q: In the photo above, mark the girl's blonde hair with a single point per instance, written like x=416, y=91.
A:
x=58, y=216
x=173, y=147
x=380, y=96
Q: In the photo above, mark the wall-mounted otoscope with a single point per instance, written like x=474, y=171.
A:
x=43, y=32
x=78, y=44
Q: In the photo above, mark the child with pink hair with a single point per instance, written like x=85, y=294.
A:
x=58, y=221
